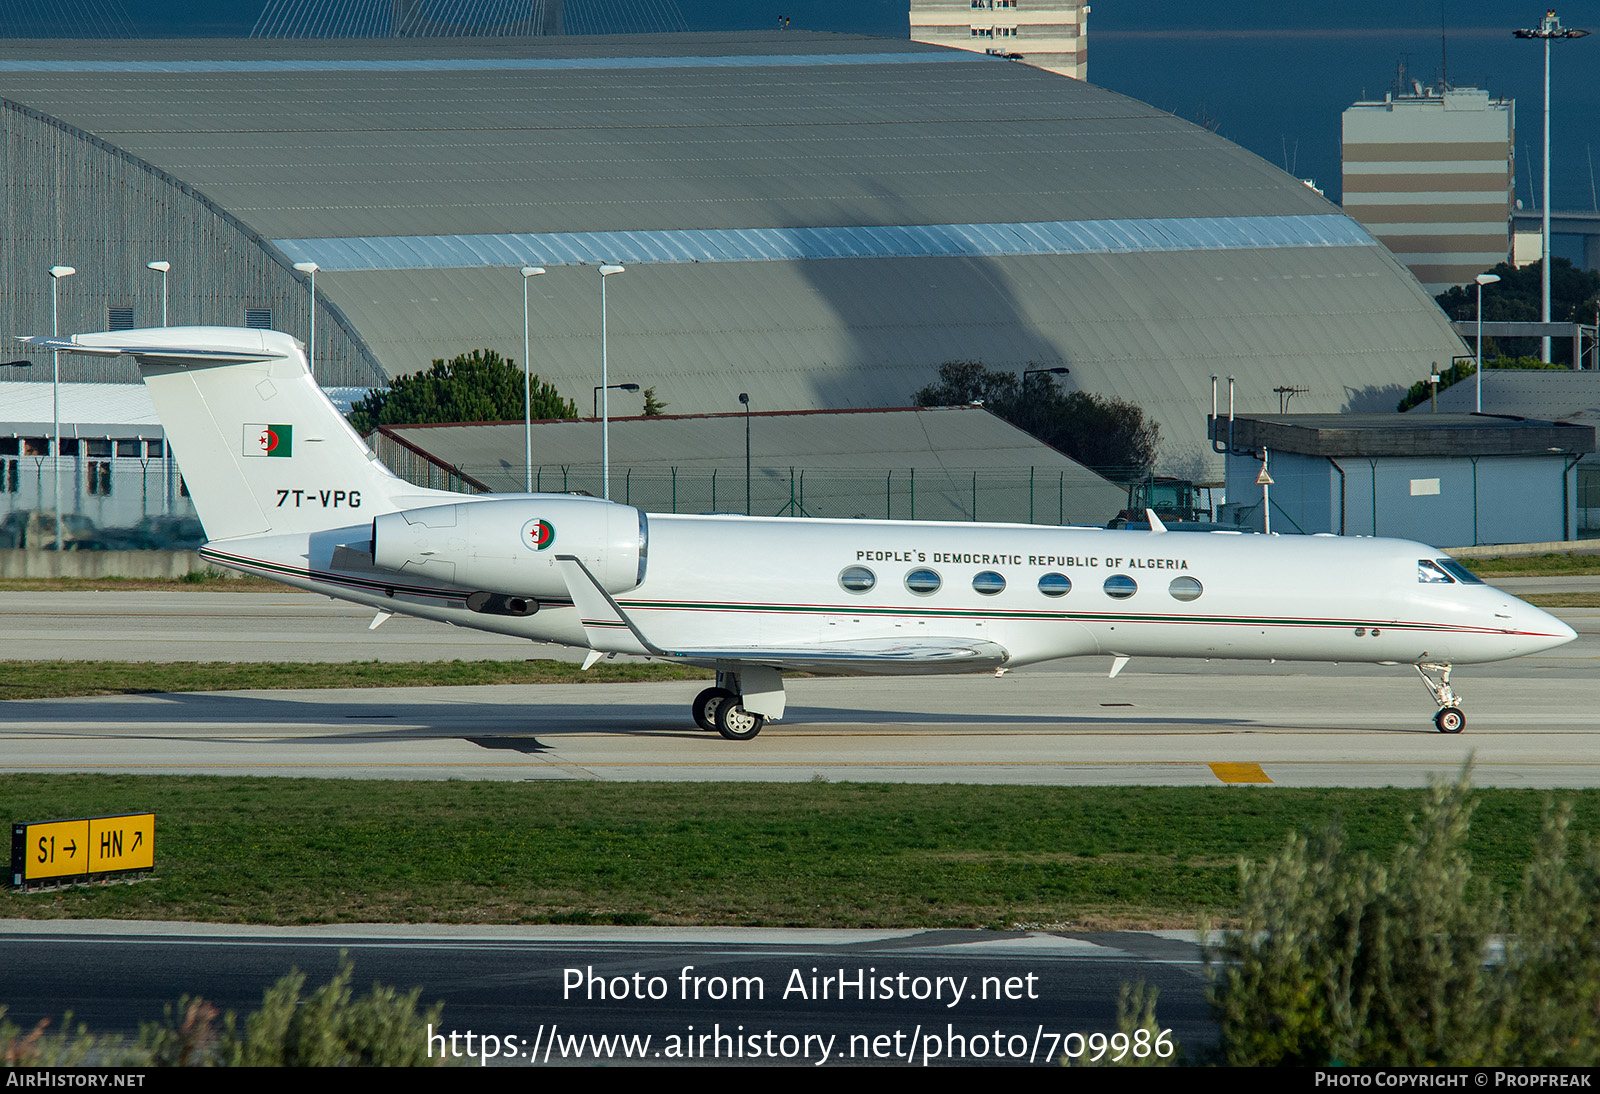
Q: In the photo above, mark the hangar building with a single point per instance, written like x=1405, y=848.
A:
x=819, y=220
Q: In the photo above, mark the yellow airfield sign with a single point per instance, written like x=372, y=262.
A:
x=83, y=847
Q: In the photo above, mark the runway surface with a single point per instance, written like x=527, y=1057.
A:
x=1531, y=722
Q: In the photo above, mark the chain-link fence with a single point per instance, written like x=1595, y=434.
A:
x=1020, y=495
x=1588, y=502
x=115, y=496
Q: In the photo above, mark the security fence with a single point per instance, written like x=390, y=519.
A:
x=115, y=496
x=1588, y=502
x=1020, y=495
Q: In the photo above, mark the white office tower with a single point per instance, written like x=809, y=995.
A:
x=1429, y=173
x=1050, y=34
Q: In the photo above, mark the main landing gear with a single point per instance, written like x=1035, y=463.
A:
x=741, y=703
x=718, y=709
x=1450, y=719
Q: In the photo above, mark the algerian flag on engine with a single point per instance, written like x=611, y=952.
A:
x=268, y=440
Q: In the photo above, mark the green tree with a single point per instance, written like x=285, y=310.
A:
x=653, y=406
x=480, y=386
x=1515, y=298
x=1107, y=434
x=1418, y=393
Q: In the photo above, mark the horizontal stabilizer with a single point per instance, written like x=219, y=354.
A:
x=105, y=344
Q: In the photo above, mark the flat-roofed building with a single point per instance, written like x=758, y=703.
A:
x=1430, y=175
x=1048, y=34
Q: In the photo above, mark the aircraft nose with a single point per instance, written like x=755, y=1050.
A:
x=1546, y=630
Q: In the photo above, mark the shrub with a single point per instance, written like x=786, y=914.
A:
x=1337, y=959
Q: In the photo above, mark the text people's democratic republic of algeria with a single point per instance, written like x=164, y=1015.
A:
x=1005, y=558
x=318, y=499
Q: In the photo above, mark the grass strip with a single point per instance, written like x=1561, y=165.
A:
x=210, y=581
x=295, y=851
x=1563, y=600
x=60, y=679
x=1534, y=565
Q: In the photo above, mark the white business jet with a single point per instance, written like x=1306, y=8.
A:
x=286, y=489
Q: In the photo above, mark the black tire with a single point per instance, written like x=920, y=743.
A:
x=736, y=723
x=705, y=707
x=1450, y=720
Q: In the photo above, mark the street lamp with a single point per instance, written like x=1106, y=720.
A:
x=1549, y=27
x=161, y=268
x=595, y=409
x=744, y=397
x=1482, y=280
x=311, y=269
x=1027, y=372
x=527, y=375
x=605, y=407
x=56, y=274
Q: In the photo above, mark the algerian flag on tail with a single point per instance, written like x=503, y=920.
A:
x=268, y=440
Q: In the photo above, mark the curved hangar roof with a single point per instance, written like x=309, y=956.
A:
x=819, y=220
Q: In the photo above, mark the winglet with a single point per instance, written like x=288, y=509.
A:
x=604, y=625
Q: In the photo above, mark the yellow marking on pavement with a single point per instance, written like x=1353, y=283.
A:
x=1239, y=773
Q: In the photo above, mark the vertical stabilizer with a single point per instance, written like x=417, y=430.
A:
x=261, y=448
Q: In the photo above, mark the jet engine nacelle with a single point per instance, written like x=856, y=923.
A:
x=509, y=545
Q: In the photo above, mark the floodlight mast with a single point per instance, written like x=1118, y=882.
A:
x=1549, y=28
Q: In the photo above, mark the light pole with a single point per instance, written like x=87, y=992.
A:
x=311, y=348
x=609, y=387
x=744, y=397
x=1549, y=27
x=161, y=268
x=527, y=375
x=1482, y=280
x=605, y=405
x=56, y=274
x=1058, y=371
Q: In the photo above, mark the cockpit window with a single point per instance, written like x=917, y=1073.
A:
x=1458, y=571
x=1429, y=573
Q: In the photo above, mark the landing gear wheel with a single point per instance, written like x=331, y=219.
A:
x=736, y=723
x=1450, y=720
x=705, y=707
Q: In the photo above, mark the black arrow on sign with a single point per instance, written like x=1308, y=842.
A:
x=72, y=849
x=138, y=838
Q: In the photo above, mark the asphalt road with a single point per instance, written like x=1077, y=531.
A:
x=1008, y=997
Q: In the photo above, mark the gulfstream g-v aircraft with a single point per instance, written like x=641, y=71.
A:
x=286, y=489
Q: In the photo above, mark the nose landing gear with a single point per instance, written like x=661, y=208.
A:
x=1450, y=718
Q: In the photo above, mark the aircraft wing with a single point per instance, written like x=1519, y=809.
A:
x=609, y=629
x=147, y=352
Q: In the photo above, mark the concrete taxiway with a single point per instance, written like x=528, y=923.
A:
x=1531, y=721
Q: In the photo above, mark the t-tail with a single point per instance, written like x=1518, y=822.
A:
x=261, y=448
